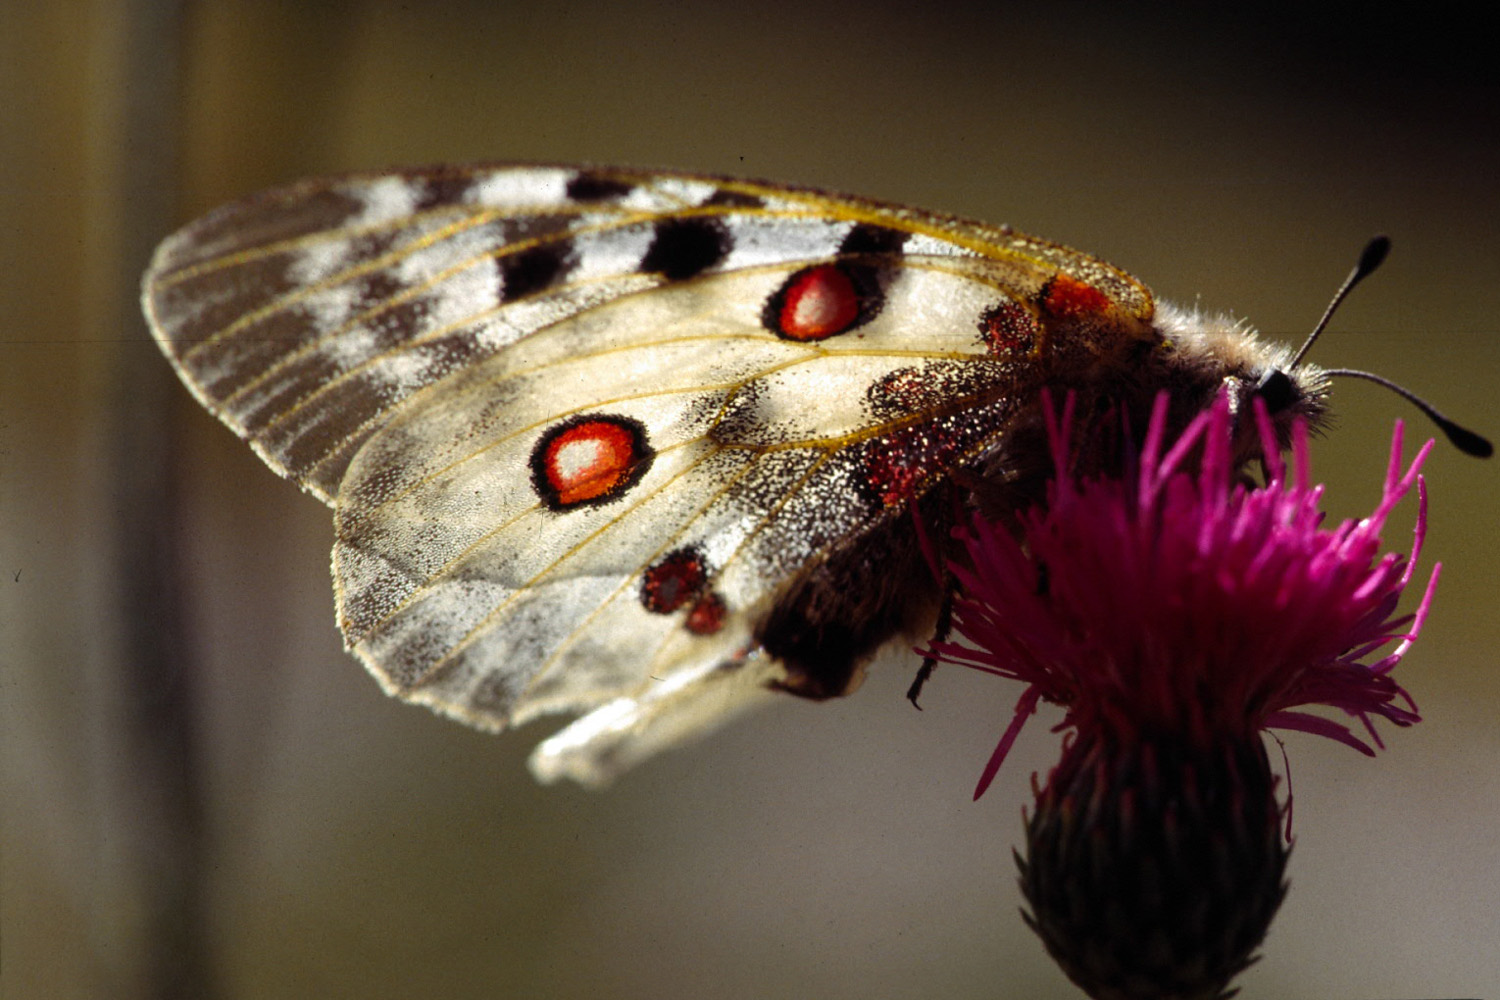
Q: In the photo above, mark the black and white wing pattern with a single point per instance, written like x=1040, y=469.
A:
x=613, y=442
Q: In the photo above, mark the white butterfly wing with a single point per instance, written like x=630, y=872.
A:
x=580, y=428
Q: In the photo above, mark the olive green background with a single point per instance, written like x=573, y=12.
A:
x=205, y=797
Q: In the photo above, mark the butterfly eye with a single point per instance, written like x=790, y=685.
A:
x=1276, y=389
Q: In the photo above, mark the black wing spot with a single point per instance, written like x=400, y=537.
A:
x=684, y=248
x=376, y=288
x=445, y=188
x=534, y=269
x=592, y=187
x=723, y=198
x=870, y=238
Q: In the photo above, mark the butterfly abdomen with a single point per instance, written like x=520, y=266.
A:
x=835, y=615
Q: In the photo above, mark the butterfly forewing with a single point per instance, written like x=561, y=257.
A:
x=582, y=428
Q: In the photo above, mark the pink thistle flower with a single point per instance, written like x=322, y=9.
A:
x=1189, y=603
x=1175, y=614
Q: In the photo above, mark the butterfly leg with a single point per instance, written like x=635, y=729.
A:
x=929, y=663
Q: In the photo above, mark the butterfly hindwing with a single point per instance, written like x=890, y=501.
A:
x=584, y=429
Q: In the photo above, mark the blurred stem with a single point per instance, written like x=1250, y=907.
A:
x=154, y=788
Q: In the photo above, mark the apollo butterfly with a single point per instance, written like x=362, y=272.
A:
x=649, y=446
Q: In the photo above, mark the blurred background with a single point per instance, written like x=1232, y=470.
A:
x=205, y=797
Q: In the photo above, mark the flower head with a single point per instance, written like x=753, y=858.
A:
x=1175, y=613
x=1180, y=600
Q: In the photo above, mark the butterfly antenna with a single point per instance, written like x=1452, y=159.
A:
x=1371, y=258
x=1463, y=439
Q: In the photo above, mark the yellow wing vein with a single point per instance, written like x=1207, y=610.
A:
x=840, y=440
x=479, y=626
x=553, y=328
x=578, y=630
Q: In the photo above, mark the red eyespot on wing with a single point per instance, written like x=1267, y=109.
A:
x=707, y=616
x=822, y=301
x=590, y=459
x=1009, y=329
x=673, y=581
x=897, y=466
x=1066, y=297
x=678, y=579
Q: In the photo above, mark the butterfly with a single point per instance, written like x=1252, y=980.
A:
x=653, y=447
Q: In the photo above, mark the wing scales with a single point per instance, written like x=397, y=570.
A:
x=401, y=345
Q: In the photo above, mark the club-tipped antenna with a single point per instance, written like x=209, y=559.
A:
x=1370, y=258
x=1463, y=439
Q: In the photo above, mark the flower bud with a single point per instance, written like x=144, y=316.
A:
x=1154, y=866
